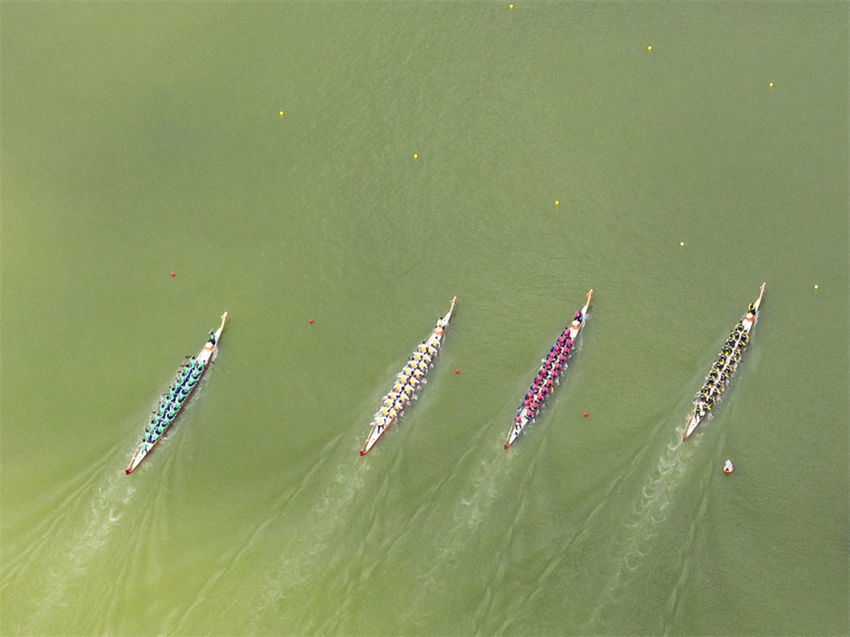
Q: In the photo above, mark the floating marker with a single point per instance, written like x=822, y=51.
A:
x=173, y=274
x=649, y=48
x=310, y=321
x=682, y=243
x=585, y=414
x=816, y=286
x=415, y=155
x=557, y=203
x=457, y=371
x=510, y=6
x=770, y=85
x=281, y=113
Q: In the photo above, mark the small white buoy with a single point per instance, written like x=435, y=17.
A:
x=728, y=467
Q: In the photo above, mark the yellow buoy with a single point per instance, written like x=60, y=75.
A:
x=415, y=155
x=557, y=203
x=770, y=85
x=816, y=286
x=510, y=6
x=649, y=48
x=682, y=243
x=281, y=113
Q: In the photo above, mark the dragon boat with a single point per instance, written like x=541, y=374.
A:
x=553, y=366
x=170, y=404
x=723, y=367
x=408, y=382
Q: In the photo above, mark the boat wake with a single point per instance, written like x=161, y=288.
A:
x=62, y=550
x=655, y=504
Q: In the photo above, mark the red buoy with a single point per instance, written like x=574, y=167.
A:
x=173, y=274
x=457, y=371
x=310, y=321
x=585, y=414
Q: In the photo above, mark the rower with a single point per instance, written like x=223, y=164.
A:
x=728, y=467
x=212, y=337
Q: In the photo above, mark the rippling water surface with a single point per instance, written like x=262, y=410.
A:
x=358, y=164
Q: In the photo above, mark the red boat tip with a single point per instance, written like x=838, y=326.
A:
x=126, y=472
x=506, y=445
x=362, y=453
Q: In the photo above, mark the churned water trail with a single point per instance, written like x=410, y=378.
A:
x=67, y=549
x=308, y=538
x=656, y=498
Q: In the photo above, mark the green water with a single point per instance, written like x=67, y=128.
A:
x=141, y=139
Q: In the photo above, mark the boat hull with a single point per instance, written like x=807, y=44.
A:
x=527, y=414
x=380, y=423
x=205, y=356
x=721, y=372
